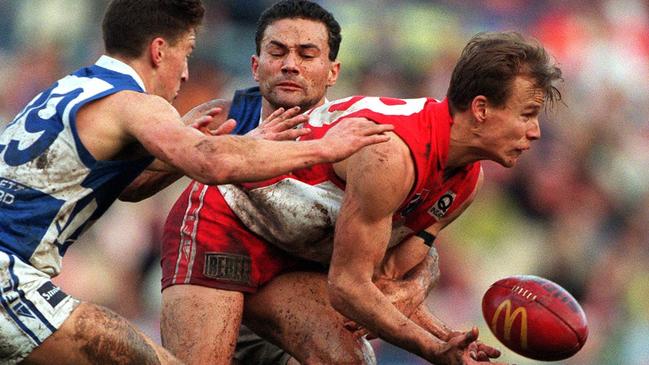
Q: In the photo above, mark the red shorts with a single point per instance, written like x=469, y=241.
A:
x=206, y=244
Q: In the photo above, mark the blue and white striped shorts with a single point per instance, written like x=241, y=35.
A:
x=31, y=308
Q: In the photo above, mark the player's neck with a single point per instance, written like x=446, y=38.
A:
x=460, y=155
x=462, y=148
x=140, y=67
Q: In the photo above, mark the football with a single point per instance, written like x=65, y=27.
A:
x=535, y=317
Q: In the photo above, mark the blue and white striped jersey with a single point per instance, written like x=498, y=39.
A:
x=51, y=188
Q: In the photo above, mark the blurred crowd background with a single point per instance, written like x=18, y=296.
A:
x=575, y=209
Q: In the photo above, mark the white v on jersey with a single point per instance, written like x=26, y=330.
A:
x=51, y=188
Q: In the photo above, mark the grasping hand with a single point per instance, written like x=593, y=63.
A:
x=352, y=134
x=280, y=125
x=202, y=117
x=462, y=348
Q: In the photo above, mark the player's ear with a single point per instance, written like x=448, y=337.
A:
x=254, y=66
x=157, y=49
x=334, y=71
x=479, y=108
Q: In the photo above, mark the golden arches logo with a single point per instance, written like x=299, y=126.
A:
x=510, y=317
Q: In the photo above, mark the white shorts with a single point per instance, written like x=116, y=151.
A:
x=31, y=308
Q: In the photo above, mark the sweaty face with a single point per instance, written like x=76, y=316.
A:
x=509, y=130
x=174, y=69
x=293, y=67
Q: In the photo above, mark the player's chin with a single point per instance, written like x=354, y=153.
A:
x=511, y=159
x=288, y=101
x=171, y=96
x=511, y=163
x=507, y=161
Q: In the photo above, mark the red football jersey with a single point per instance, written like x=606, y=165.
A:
x=227, y=236
x=298, y=211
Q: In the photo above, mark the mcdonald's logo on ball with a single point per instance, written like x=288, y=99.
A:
x=509, y=317
x=535, y=317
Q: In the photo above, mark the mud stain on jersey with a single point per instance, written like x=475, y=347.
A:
x=297, y=217
x=322, y=215
x=46, y=159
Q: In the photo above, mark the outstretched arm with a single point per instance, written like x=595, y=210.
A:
x=210, y=118
x=230, y=159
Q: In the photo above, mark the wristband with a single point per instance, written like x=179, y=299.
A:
x=427, y=237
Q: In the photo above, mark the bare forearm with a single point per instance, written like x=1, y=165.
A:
x=408, y=291
x=248, y=159
x=225, y=159
x=409, y=258
x=361, y=237
x=426, y=273
x=424, y=318
x=366, y=305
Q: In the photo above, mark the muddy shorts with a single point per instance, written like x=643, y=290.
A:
x=205, y=243
x=32, y=308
